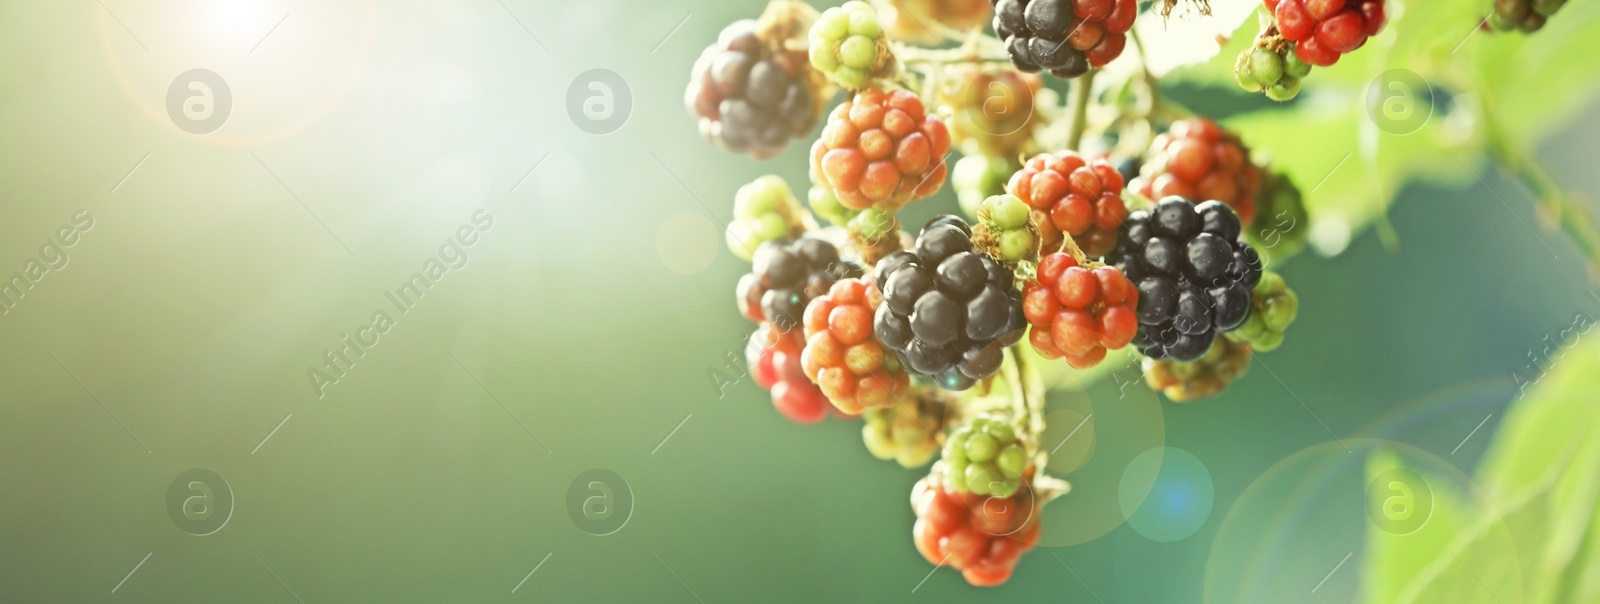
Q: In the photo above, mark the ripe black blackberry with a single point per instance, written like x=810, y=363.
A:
x=786, y=275
x=1193, y=273
x=949, y=311
x=1064, y=37
x=750, y=95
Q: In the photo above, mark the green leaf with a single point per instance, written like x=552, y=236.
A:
x=1394, y=561
x=1352, y=170
x=1535, y=83
x=1533, y=536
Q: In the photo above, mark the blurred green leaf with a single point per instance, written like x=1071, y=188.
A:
x=1532, y=538
x=1394, y=561
x=1533, y=84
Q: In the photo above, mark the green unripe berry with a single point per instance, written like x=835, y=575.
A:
x=1253, y=329
x=864, y=21
x=1007, y=211
x=873, y=223
x=980, y=480
x=956, y=473
x=822, y=56
x=876, y=436
x=1266, y=66
x=1268, y=342
x=850, y=77
x=1011, y=460
x=770, y=226
x=1279, y=311
x=955, y=449
x=858, y=52
x=832, y=25
x=1246, y=78
x=1016, y=244
x=1546, y=8
x=1285, y=89
x=828, y=206
x=1500, y=23
x=760, y=196
x=981, y=447
x=1001, y=431
x=1293, y=66
x=1514, y=10
x=1271, y=283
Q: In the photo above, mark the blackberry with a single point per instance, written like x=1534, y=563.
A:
x=787, y=274
x=949, y=311
x=1064, y=37
x=1193, y=273
x=750, y=94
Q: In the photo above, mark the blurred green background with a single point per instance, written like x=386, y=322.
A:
x=581, y=332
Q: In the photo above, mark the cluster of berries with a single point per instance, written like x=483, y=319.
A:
x=1082, y=198
x=985, y=456
x=910, y=431
x=949, y=311
x=763, y=210
x=841, y=354
x=1063, y=37
x=881, y=149
x=749, y=92
x=936, y=313
x=847, y=46
x=1193, y=274
x=1003, y=230
x=1079, y=312
x=1323, y=30
x=1197, y=159
x=1523, y=15
x=981, y=536
x=1274, y=69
